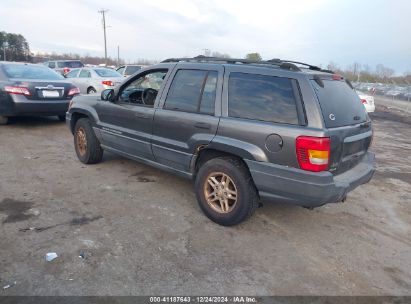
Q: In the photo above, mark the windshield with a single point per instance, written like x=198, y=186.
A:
x=107, y=73
x=340, y=104
x=152, y=81
x=131, y=69
x=30, y=72
x=70, y=64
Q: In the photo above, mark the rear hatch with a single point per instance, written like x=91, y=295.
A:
x=346, y=120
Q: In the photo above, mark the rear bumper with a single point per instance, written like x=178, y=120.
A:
x=309, y=189
x=21, y=106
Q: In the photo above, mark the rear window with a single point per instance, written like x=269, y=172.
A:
x=260, y=97
x=23, y=71
x=107, y=73
x=72, y=74
x=132, y=69
x=340, y=104
x=70, y=64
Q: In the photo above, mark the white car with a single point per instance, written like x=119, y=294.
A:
x=94, y=80
x=367, y=101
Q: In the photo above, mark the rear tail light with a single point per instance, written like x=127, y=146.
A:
x=336, y=77
x=17, y=90
x=364, y=101
x=313, y=153
x=66, y=70
x=73, y=91
x=108, y=83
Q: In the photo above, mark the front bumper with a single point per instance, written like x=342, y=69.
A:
x=308, y=189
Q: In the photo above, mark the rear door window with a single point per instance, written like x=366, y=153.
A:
x=85, y=74
x=340, y=104
x=193, y=91
x=261, y=97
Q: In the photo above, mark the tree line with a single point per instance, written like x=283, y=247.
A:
x=14, y=47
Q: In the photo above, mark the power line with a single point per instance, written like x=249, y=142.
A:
x=103, y=13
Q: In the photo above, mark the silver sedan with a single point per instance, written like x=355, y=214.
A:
x=94, y=80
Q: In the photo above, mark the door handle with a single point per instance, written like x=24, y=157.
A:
x=142, y=115
x=202, y=125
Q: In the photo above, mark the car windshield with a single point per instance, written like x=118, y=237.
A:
x=30, y=72
x=107, y=73
x=70, y=64
x=131, y=69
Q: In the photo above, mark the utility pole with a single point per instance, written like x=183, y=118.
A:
x=103, y=13
x=118, y=55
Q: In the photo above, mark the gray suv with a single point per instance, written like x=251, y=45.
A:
x=245, y=131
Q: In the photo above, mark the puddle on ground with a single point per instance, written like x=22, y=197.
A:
x=16, y=211
x=84, y=220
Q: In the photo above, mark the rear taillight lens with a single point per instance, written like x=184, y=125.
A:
x=66, y=70
x=17, y=90
x=108, y=83
x=73, y=91
x=313, y=153
x=336, y=77
x=364, y=101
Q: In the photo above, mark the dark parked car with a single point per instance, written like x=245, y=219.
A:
x=130, y=69
x=64, y=66
x=244, y=131
x=32, y=89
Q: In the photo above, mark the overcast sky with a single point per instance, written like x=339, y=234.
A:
x=314, y=31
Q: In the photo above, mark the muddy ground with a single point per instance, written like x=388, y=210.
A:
x=139, y=230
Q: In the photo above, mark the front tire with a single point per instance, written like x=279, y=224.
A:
x=87, y=145
x=4, y=120
x=225, y=191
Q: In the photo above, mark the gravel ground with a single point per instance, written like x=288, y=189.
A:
x=140, y=232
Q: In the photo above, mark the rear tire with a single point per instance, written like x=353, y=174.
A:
x=62, y=118
x=4, y=120
x=87, y=145
x=225, y=191
x=91, y=90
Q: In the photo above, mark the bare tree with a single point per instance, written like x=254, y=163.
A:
x=383, y=71
x=220, y=55
x=332, y=66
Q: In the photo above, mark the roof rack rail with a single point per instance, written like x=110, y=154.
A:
x=202, y=58
x=277, y=62
x=311, y=67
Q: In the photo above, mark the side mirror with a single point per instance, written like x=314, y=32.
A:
x=107, y=95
